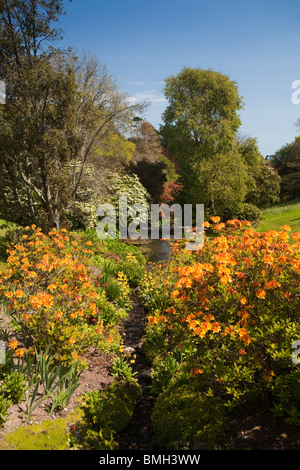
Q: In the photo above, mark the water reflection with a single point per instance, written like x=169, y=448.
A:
x=159, y=250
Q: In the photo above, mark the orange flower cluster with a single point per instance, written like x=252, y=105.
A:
x=236, y=300
x=48, y=289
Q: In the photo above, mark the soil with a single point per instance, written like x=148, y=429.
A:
x=138, y=435
x=96, y=376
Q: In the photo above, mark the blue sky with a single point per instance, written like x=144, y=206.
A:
x=256, y=43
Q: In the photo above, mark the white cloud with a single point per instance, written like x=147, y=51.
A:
x=149, y=95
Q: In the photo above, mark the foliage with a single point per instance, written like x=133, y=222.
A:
x=107, y=412
x=199, y=130
x=263, y=185
x=163, y=374
x=50, y=294
x=286, y=162
x=48, y=435
x=182, y=417
x=245, y=211
x=62, y=113
x=231, y=315
x=122, y=369
x=128, y=186
x=13, y=387
x=114, y=256
x=5, y=403
x=148, y=163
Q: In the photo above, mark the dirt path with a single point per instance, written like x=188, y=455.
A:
x=138, y=435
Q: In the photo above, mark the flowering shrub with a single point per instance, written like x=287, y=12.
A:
x=50, y=294
x=229, y=314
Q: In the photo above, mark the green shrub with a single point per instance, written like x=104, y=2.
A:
x=163, y=374
x=4, y=405
x=182, y=417
x=107, y=412
x=249, y=212
x=13, y=387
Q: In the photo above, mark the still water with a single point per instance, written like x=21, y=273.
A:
x=159, y=250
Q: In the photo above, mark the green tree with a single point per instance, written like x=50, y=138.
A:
x=200, y=127
x=63, y=113
x=263, y=183
x=286, y=162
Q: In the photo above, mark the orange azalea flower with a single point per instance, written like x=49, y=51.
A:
x=244, y=336
x=196, y=372
x=268, y=259
x=19, y=352
x=268, y=374
x=52, y=287
x=215, y=327
x=272, y=284
x=26, y=317
x=229, y=330
x=19, y=293
x=58, y=315
x=71, y=340
x=13, y=344
x=260, y=293
x=215, y=220
x=296, y=237
x=75, y=356
x=175, y=294
x=9, y=295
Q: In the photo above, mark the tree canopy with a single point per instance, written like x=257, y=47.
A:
x=62, y=113
x=200, y=126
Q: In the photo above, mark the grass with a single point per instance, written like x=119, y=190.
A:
x=281, y=214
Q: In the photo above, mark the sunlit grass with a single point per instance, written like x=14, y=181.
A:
x=285, y=214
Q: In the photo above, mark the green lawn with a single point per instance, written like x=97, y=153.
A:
x=285, y=214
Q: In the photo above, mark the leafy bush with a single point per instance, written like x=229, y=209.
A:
x=232, y=315
x=183, y=417
x=107, y=412
x=50, y=294
x=5, y=403
x=249, y=212
x=13, y=387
